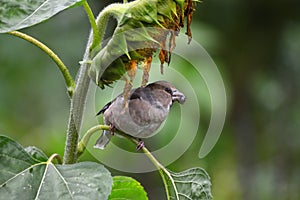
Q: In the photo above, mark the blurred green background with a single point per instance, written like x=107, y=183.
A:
x=256, y=46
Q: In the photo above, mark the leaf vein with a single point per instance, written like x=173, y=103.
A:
x=42, y=181
x=65, y=182
x=31, y=13
x=4, y=155
x=184, y=195
x=20, y=173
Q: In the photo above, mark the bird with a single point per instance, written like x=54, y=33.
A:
x=148, y=107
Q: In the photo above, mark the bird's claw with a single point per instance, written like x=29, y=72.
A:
x=112, y=129
x=140, y=145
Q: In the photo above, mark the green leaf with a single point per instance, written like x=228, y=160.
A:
x=36, y=153
x=192, y=184
x=146, y=13
x=23, y=177
x=141, y=30
x=13, y=159
x=127, y=188
x=16, y=14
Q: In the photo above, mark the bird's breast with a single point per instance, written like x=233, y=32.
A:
x=140, y=119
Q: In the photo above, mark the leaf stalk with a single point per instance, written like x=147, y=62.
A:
x=61, y=66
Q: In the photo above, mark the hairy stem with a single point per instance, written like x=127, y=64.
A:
x=77, y=106
x=83, y=81
x=77, y=109
x=115, y=10
x=64, y=70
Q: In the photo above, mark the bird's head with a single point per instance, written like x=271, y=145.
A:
x=170, y=89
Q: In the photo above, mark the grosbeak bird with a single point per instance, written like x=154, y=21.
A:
x=147, y=109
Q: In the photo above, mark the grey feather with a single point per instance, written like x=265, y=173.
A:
x=103, y=140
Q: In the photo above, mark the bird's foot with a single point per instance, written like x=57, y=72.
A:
x=140, y=145
x=112, y=129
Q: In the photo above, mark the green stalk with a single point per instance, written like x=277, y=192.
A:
x=86, y=137
x=96, y=38
x=78, y=101
x=77, y=109
x=161, y=169
x=83, y=81
x=115, y=10
x=61, y=66
x=55, y=156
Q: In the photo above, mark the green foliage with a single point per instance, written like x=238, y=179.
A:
x=193, y=184
x=28, y=173
x=23, y=176
x=36, y=153
x=15, y=15
x=127, y=188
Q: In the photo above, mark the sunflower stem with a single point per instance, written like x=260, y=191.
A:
x=78, y=101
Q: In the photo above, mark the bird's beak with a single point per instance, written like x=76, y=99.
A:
x=178, y=96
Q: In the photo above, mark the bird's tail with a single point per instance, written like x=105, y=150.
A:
x=103, y=140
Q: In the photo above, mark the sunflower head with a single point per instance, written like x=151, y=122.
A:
x=143, y=28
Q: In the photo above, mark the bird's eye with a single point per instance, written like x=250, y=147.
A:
x=168, y=90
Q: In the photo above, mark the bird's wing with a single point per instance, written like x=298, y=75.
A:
x=111, y=102
x=144, y=108
x=139, y=111
x=105, y=108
